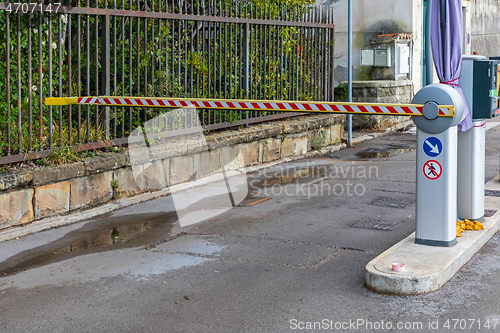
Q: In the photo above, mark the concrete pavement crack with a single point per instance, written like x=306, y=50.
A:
x=393, y=191
x=263, y=238
x=357, y=250
x=310, y=265
x=284, y=241
x=334, y=251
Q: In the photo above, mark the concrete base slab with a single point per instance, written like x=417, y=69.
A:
x=428, y=268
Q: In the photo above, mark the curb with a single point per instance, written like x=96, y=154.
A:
x=428, y=268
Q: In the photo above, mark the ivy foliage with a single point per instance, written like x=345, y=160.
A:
x=50, y=54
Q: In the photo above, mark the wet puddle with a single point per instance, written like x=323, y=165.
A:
x=287, y=176
x=382, y=152
x=105, y=233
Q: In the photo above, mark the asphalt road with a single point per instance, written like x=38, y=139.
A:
x=291, y=257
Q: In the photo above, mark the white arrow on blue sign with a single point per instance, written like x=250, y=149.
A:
x=433, y=146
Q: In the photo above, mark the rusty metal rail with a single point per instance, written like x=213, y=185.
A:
x=36, y=8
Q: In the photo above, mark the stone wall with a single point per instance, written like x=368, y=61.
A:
x=393, y=92
x=30, y=195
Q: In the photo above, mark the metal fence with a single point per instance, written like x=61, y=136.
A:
x=222, y=49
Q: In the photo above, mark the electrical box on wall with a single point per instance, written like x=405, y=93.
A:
x=376, y=57
x=402, y=59
x=367, y=57
x=382, y=58
x=389, y=57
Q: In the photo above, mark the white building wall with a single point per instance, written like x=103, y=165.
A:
x=485, y=27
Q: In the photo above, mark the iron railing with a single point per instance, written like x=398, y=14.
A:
x=226, y=49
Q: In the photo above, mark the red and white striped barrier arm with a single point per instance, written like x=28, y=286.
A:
x=254, y=105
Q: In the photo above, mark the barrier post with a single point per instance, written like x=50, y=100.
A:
x=436, y=169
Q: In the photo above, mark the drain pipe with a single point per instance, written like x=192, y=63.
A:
x=443, y=29
x=349, y=69
x=428, y=51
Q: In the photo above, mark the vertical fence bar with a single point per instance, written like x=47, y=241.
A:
x=250, y=51
x=192, y=32
x=79, y=74
x=264, y=58
x=238, y=60
x=288, y=63
x=30, y=89
x=314, y=61
x=168, y=27
x=332, y=55
x=305, y=61
x=310, y=52
x=328, y=55
x=320, y=64
x=105, y=69
x=197, y=45
x=214, y=59
x=203, y=55
x=50, y=80
x=138, y=63
x=70, y=83
x=153, y=55
x=225, y=57
x=294, y=64
x=114, y=72
x=145, y=76
x=219, y=29
x=123, y=70
x=300, y=57
x=87, y=47
x=316, y=47
x=7, y=41
x=130, y=63
x=230, y=59
x=145, y=67
x=322, y=76
x=59, y=73
x=349, y=69
x=172, y=49
x=186, y=56
x=19, y=86
x=179, y=53
x=40, y=84
x=281, y=60
x=197, y=40
x=261, y=58
x=272, y=67
x=96, y=65
x=317, y=55
x=246, y=65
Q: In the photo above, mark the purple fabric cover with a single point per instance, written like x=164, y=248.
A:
x=447, y=56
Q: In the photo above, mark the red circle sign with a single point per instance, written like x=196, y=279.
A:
x=432, y=169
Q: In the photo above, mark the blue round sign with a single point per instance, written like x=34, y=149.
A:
x=432, y=146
